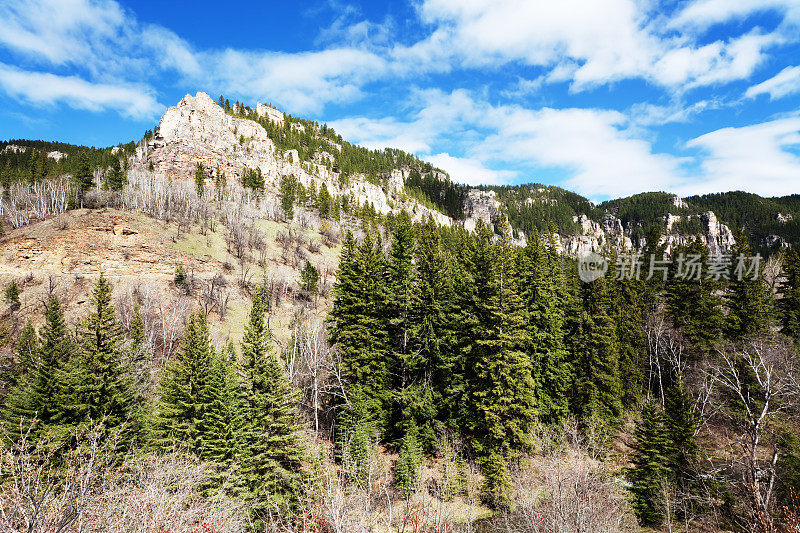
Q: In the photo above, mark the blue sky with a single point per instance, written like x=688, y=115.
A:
x=604, y=97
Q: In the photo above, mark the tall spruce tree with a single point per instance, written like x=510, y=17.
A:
x=748, y=299
x=185, y=394
x=35, y=396
x=790, y=303
x=359, y=329
x=598, y=382
x=96, y=386
x=690, y=300
x=540, y=277
x=680, y=424
x=502, y=390
x=436, y=363
x=649, y=472
x=274, y=452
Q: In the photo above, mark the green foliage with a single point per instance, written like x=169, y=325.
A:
x=36, y=393
x=757, y=215
x=748, y=300
x=96, y=386
x=649, y=473
x=790, y=303
x=253, y=179
x=273, y=446
x=288, y=192
x=598, y=381
x=359, y=326
x=309, y=280
x=681, y=424
x=200, y=179
x=187, y=392
x=409, y=463
x=692, y=304
x=500, y=381
x=12, y=295
x=115, y=177
x=180, y=276
x=540, y=279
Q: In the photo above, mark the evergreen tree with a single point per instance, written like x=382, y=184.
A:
x=680, y=424
x=790, y=303
x=288, y=193
x=599, y=386
x=359, y=327
x=748, y=299
x=400, y=302
x=309, y=280
x=409, y=463
x=82, y=177
x=200, y=179
x=502, y=392
x=274, y=450
x=436, y=362
x=97, y=386
x=116, y=177
x=540, y=273
x=185, y=393
x=691, y=300
x=36, y=394
x=649, y=472
x=12, y=295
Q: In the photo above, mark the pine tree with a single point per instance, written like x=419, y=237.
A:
x=502, y=391
x=680, y=425
x=540, y=276
x=649, y=472
x=36, y=394
x=200, y=179
x=96, y=386
x=400, y=303
x=12, y=295
x=436, y=364
x=116, y=177
x=24, y=359
x=790, y=303
x=409, y=462
x=83, y=178
x=359, y=327
x=692, y=303
x=185, y=394
x=274, y=449
x=748, y=299
x=599, y=386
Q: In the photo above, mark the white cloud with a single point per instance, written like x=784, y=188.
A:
x=704, y=13
x=786, y=82
x=755, y=158
x=43, y=88
x=586, y=42
x=469, y=171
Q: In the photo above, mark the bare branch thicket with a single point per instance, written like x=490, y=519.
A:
x=21, y=202
x=665, y=352
x=83, y=489
x=758, y=381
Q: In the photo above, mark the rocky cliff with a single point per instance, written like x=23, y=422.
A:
x=198, y=131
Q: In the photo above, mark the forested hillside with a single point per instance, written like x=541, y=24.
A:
x=261, y=354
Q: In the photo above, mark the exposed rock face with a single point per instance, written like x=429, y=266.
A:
x=198, y=130
x=271, y=113
x=58, y=156
x=679, y=202
x=480, y=205
x=783, y=219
